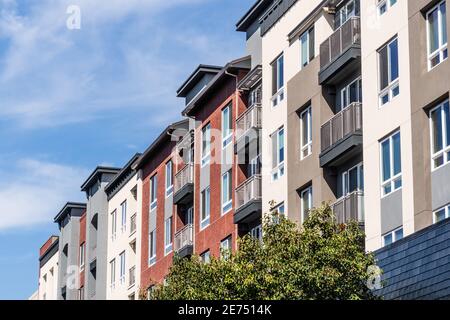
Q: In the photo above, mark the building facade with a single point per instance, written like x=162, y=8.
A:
x=48, y=270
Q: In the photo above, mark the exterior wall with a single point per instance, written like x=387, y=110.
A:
x=417, y=267
x=48, y=289
x=154, y=220
x=82, y=240
x=121, y=242
x=378, y=122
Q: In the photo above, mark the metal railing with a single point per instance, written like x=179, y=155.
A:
x=251, y=118
x=350, y=207
x=248, y=191
x=343, y=38
x=184, y=176
x=184, y=237
x=348, y=121
x=132, y=276
x=133, y=223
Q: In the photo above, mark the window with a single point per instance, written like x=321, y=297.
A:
x=255, y=96
x=153, y=192
x=189, y=216
x=384, y=5
x=391, y=164
x=347, y=11
x=206, y=144
x=80, y=293
x=169, y=178
x=441, y=214
x=353, y=180
x=278, y=154
x=123, y=206
x=122, y=267
x=113, y=224
x=112, y=268
x=393, y=236
x=277, y=81
x=206, y=257
x=168, y=236
x=437, y=35
x=440, y=135
x=225, y=248
x=152, y=248
x=227, y=190
x=82, y=255
x=205, y=208
x=227, y=130
x=306, y=203
x=307, y=47
x=351, y=93
x=256, y=232
x=306, y=132
x=389, y=72
x=254, y=167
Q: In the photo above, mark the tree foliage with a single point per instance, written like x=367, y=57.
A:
x=320, y=260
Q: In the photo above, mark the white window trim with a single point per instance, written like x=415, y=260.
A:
x=345, y=182
x=445, y=149
x=348, y=17
x=279, y=171
x=168, y=246
x=447, y=213
x=206, y=157
x=226, y=140
x=279, y=96
x=393, y=178
x=393, y=83
x=123, y=222
x=204, y=223
x=112, y=280
x=308, y=192
x=154, y=203
x=123, y=265
x=113, y=225
x=152, y=257
x=388, y=6
x=169, y=189
x=394, y=238
x=305, y=34
x=346, y=89
x=226, y=206
x=439, y=51
x=308, y=146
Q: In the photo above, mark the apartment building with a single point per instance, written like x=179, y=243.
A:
x=97, y=231
x=155, y=173
x=48, y=270
x=124, y=232
x=68, y=220
x=82, y=258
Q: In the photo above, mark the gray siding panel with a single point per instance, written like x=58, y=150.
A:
x=439, y=187
x=417, y=267
x=391, y=212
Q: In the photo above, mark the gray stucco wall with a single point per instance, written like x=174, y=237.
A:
x=440, y=191
x=391, y=212
x=418, y=266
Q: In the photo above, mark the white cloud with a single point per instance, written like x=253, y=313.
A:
x=34, y=191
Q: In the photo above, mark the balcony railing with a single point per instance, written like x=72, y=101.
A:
x=251, y=118
x=184, y=176
x=133, y=224
x=132, y=276
x=346, y=36
x=350, y=207
x=184, y=237
x=344, y=123
x=248, y=191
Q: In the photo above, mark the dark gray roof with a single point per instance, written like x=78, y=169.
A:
x=67, y=209
x=192, y=80
x=253, y=14
x=122, y=177
x=95, y=174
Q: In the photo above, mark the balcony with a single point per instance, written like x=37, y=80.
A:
x=184, y=241
x=184, y=185
x=132, y=277
x=248, y=200
x=247, y=130
x=340, y=54
x=341, y=137
x=349, y=208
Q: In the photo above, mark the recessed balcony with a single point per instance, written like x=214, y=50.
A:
x=248, y=127
x=340, y=54
x=248, y=200
x=341, y=136
x=184, y=185
x=184, y=241
x=350, y=208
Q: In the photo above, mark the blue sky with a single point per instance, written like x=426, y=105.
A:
x=73, y=99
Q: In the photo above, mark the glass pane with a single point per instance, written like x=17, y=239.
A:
x=344, y=183
x=395, y=91
x=305, y=129
x=398, y=184
x=440, y=215
x=361, y=178
x=344, y=100
x=305, y=205
x=281, y=146
x=384, y=67
x=353, y=92
x=386, y=160
x=397, y=154
x=436, y=120
x=387, y=189
x=387, y=239
x=399, y=234
x=447, y=121
x=444, y=23
x=439, y=161
x=433, y=31
x=280, y=72
x=393, y=57
x=225, y=188
x=353, y=180
x=304, y=41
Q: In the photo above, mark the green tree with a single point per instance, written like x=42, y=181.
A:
x=320, y=260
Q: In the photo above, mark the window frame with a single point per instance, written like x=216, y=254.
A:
x=442, y=47
x=393, y=178
x=446, y=209
x=346, y=181
x=392, y=90
x=346, y=90
x=154, y=192
x=309, y=193
x=227, y=133
x=278, y=171
x=204, y=255
x=227, y=204
x=112, y=268
x=205, y=208
x=168, y=236
x=445, y=150
x=305, y=37
x=225, y=251
x=169, y=176
x=279, y=95
x=82, y=255
x=114, y=224
x=307, y=147
x=123, y=207
x=393, y=234
x=152, y=248
x=122, y=276
x=206, y=145
x=387, y=3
